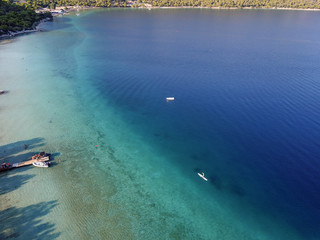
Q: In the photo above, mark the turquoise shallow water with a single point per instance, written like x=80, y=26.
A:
x=91, y=90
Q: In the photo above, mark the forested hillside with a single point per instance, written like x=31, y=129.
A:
x=179, y=3
x=22, y=16
x=84, y=3
x=18, y=17
x=237, y=3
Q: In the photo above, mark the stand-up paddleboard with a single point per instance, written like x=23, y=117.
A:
x=202, y=176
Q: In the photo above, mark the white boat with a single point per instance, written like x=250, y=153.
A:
x=170, y=99
x=40, y=164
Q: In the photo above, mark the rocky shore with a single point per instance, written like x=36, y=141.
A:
x=36, y=29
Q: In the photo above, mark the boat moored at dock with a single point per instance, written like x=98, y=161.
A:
x=41, y=164
x=5, y=167
x=42, y=157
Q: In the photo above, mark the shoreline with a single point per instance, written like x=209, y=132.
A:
x=238, y=8
x=142, y=6
x=36, y=29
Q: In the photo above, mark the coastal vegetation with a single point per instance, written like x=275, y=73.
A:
x=52, y=4
x=301, y=4
x=16, y=17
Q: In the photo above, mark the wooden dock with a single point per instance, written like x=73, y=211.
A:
x=27, y=163
x=23, y=164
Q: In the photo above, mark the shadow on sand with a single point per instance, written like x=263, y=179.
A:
x=20, y=151
x=12, y=153
x=26, y=223
x=10, y=182
x=9, y=151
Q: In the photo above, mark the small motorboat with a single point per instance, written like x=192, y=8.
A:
x=41, y=164
x=170, y=99
x=5, y=167
x=42, y=157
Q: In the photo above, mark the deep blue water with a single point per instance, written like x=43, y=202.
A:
x=246, y=87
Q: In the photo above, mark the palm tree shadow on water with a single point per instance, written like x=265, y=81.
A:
x=10, y=182
x=15, y=152
x=9, y=151
x=26, y=223
x=20, y=151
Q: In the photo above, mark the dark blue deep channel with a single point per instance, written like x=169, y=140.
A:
x=247, y=91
